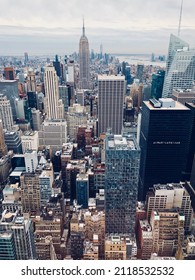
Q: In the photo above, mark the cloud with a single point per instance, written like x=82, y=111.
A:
x=120, y=25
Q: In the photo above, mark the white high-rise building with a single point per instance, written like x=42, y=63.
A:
x=84, y=61
x=170, y=196
x=180, y=68
x=71, y=72
x=31, y=161
x=53, y=105
x=30, y=141
x=19, y=105
x=6, y=113
x=53, y=134
x=111, y=90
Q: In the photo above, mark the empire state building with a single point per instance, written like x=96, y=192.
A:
x=84, y=60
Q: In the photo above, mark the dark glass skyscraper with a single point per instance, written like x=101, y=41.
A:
x=7, y=246
x=121, y=183
x=164, y=143
x=9, y=88
x=191, y=154
x=157, y=84
x=57, y=66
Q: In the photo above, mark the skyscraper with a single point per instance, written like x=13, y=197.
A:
x=121, y=183
x=31, y=81
x=53, y=105
x=175, y=44
x=140, y=69
x=30, y=192
x=22, y=232
x=82, y=189
x=6, y=113
x=111, y=90
x=13, y=141
x=10, y=90
x=57, y=66
x=3, y=147
x=25, y=58
x=180, y=67
x=157, y=84
x=7, y=247
x=191, y=154
x=84, y=60
x=164, y=142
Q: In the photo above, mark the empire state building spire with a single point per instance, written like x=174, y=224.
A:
x=84, y=60
x=83, y=27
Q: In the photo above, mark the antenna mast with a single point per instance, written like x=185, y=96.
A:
x=179, y=27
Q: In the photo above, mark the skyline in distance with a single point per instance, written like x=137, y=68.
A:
x=47, y=27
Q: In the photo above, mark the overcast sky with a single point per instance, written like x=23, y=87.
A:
x=122, y=26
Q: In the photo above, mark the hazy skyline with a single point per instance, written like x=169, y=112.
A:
x=49, y=27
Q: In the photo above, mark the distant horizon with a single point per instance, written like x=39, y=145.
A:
x=47, y=27
x=53, y=54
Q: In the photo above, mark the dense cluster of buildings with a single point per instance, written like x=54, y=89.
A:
x=97, y=157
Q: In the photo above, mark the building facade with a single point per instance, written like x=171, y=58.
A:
x=84, y=60
x=111, y=91
x=164, y=143
x=53, y=105
x=121, y=183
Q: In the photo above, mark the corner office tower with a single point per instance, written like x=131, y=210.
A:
x=164, y=143
x=84, y=61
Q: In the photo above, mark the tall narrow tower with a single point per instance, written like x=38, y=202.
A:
x=6, y=113
x=84, y=60
x=3, y=147
x=53, y=105
x=31, y=82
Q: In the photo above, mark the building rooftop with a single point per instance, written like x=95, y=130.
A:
x=8, y=81
x=192, y=104
x=82, y=177
x=105, y=77
x=119, y=142
x=171, y=186
x=67, y=149
x=145, y=226
x=177, y=106
x=6, y=234
x=29, y=133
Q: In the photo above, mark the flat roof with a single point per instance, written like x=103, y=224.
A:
x=105, y=77
x=29, y=133
x=178, y=106
x=191, y=104
x=8, y=81
x=120, y=142
x=5, y=234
